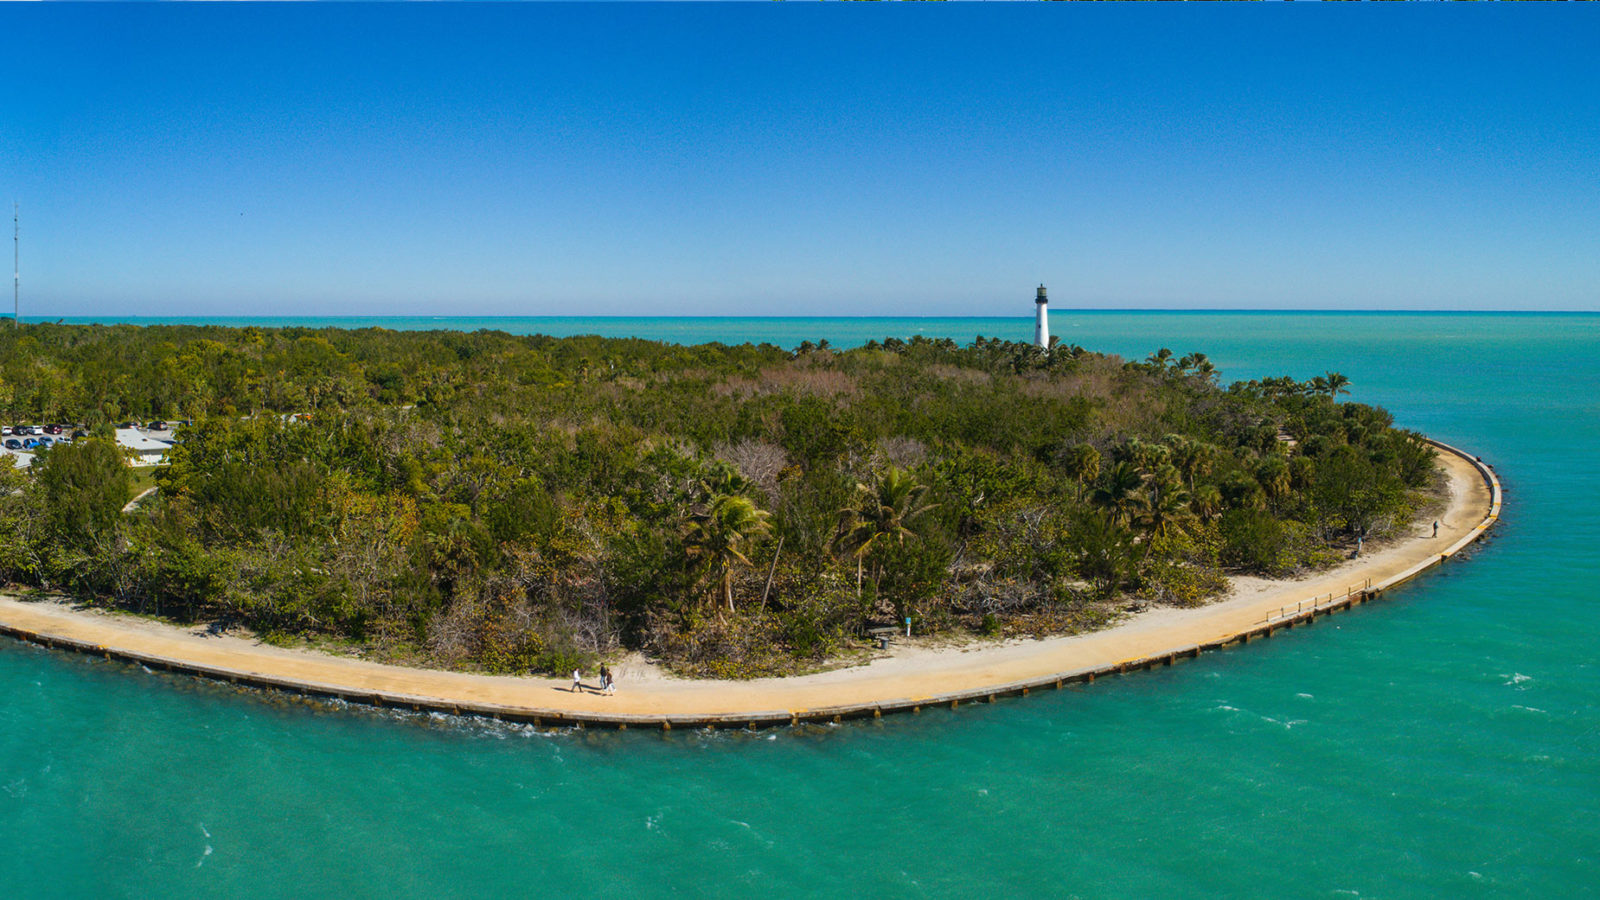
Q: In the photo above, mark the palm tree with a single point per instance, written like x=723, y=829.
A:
x=1102, y=551
x=1083, y=464
x=1273, y=474
x=1120, y=496
x=722, y=477
x=1167, y=507
x=1193, y=458
x=1145, y=456
x=1196, y=363
x=1206, y=501
x=882, y=513
x=718, y=536
x=1337, y=384
x=1282, y=386
x=1302, y=472
x=1242, y=491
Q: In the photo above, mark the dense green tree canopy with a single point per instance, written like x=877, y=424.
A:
x=482, y=499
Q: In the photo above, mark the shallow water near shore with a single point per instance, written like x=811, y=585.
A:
x=1444, y=742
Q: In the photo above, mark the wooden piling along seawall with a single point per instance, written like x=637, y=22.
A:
x=1304, y=612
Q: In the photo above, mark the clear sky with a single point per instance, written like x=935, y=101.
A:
x=800, y=159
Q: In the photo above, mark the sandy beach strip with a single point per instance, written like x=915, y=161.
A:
x=910, y=675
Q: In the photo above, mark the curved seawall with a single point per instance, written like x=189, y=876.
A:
x=899, y=683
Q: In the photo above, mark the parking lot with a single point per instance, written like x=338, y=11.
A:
x=147, y=442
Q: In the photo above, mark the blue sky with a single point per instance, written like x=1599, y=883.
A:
x=800, y=159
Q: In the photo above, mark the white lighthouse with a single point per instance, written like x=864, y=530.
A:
x=1041, y=320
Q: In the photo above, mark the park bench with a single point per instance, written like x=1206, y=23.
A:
x=882, y=635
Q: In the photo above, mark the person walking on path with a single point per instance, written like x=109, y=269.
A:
x=611, y=682
x=577, y=680
x=1435, y=527
x=605, y=679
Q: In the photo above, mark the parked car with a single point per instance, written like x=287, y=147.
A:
x=129, y=425
x=22, y=429
x=13, y=444
x=80, y=433
x=29, y=443
x=158, y=425
x=53, y=428
x=45, y=442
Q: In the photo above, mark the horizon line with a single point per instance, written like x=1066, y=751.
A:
x=47, y=319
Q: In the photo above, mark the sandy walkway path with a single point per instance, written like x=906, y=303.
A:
x=906, y=675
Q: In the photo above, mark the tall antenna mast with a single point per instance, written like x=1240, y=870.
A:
x=16, y=270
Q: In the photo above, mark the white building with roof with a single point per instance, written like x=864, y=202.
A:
x=148, y=451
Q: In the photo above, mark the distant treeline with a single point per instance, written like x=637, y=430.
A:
x=512, y=503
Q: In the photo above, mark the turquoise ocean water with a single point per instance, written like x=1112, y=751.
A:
x=1443, y=744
